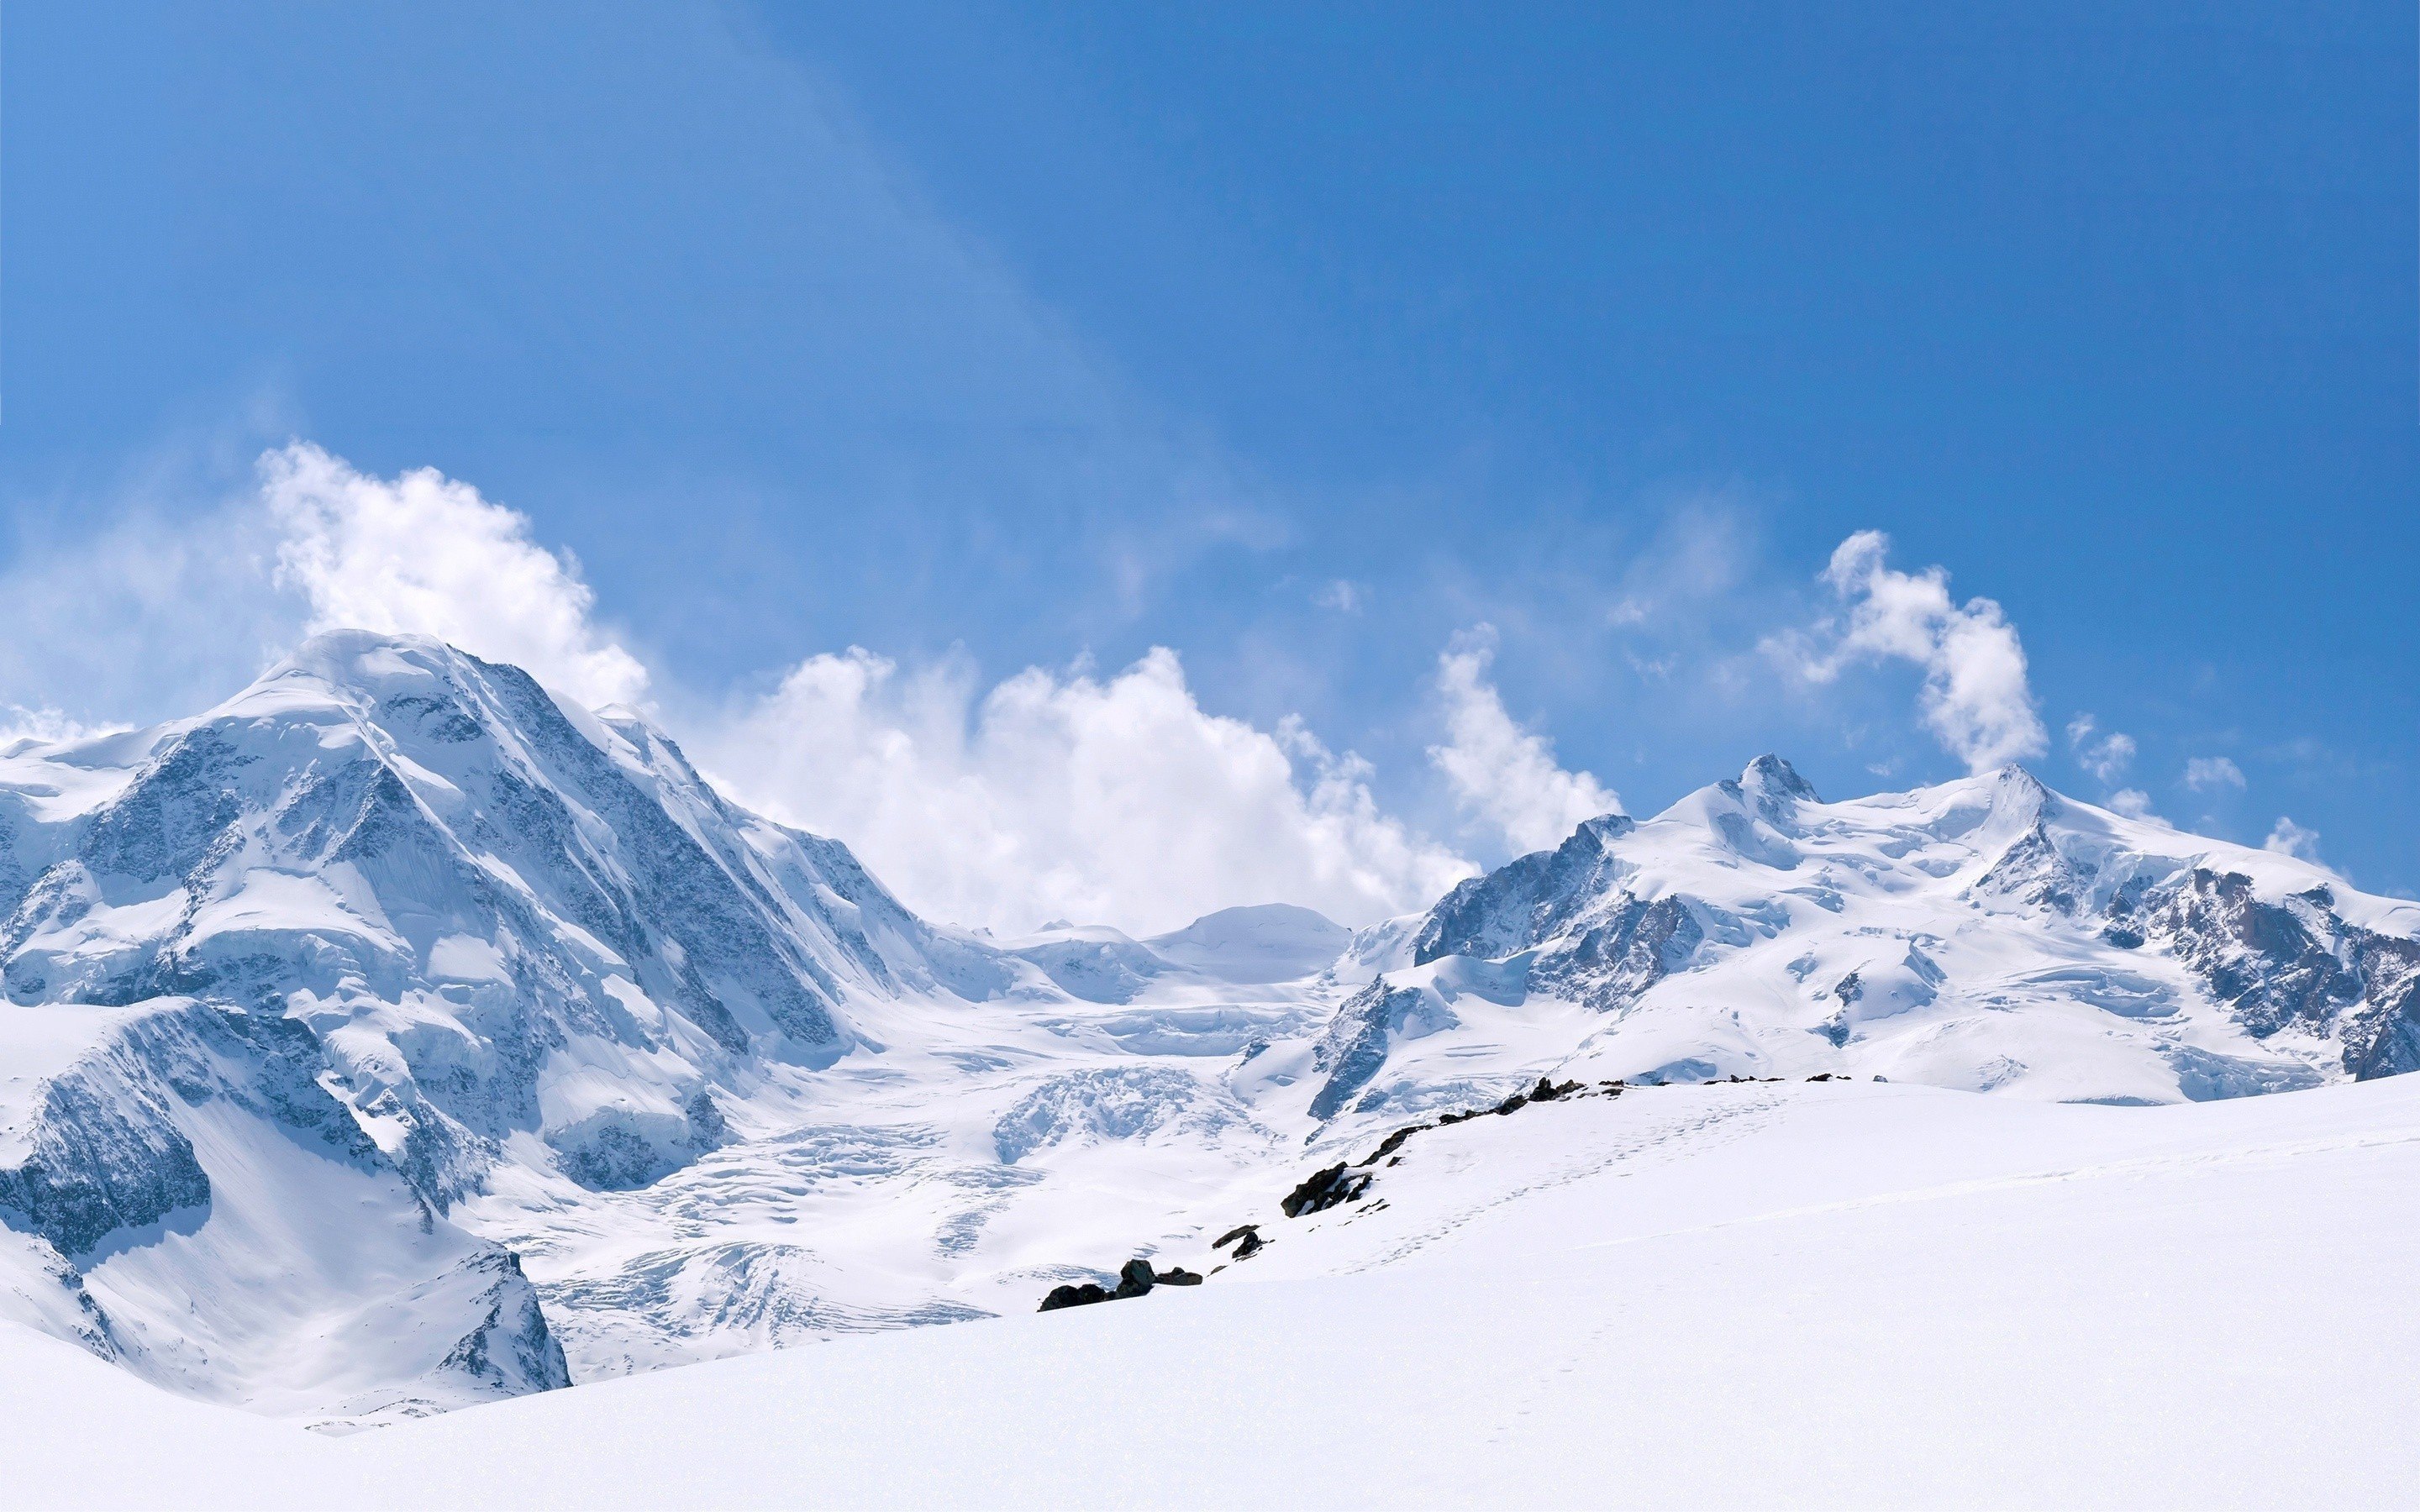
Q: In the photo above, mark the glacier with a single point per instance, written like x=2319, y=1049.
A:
x=400, y=1035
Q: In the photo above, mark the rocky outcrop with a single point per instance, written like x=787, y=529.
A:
x=1636, y=944
x=1358, y=1040
x=1324, y=1189
x=1136, y=1278
x=1527, y=900
x=98, y=1160
x=2293, y=963
x=511, y=1351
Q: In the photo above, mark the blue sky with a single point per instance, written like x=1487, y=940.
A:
x=1303, y=341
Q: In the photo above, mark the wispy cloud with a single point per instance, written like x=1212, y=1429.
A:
x=425, y=554
x=19, y=725
x=1341, y=595
x=2105, y=754
x=2134, y=803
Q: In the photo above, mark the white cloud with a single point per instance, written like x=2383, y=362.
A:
x=1116, y=800
x=1504, y=774
x=2134, y=803
x=2207, y=773
x=424, y=554
x=2291, y=839
x=2105, y=756
x=1976, y=700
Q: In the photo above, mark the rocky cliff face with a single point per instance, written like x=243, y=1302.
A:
x=2290, y=964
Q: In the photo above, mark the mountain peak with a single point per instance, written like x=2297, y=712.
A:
x=339, y=652
x=1771, y=777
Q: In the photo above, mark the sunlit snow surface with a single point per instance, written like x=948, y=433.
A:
x=1751, y=1294
x=395, y=1038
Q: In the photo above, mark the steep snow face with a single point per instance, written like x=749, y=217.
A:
x=1985, y=933
x=495, y=912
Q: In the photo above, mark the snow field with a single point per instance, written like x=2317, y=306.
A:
x=1750, y=1294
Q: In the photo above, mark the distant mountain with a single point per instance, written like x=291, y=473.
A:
x=1984, y=934
x=1255, y=945
x=397, y=1035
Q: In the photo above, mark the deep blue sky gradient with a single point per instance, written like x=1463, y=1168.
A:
x=1053, y=331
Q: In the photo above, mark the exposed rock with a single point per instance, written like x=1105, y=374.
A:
x=1527, y=901
x=1239, y=1231
x=1364, y=1030
x=1074, y=1296
x=1395, y=1142
x=1135, y=1278
x=2295, y=964
x=512, y=1351
x=1324, y=1189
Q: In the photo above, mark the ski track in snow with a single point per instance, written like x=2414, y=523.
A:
x=1690, y=1136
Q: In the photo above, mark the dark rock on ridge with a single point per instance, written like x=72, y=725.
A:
x=1324, y=1189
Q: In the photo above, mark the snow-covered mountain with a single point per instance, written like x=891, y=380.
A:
x=1986, y=934
x=397, y=1035
x=391, y=921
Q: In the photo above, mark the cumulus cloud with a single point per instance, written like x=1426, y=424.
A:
x=1977, y=700
x=2105, y=754
x=2291, y=839
x=424, y=554
x=2207, y=774
x=1504, y=775
x=1118, y=799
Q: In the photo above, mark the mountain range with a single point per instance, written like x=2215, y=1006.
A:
x=398, y=1035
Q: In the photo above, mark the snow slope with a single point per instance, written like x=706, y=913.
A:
x=1738, y=1294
